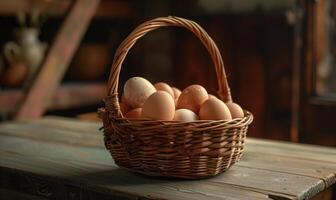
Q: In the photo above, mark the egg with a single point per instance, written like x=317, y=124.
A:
x=185, y=115
x=123, y=99
x=177, y=92
x=164, y=87
x=136, y=91
x=135, y=113
x=214, y=109
x=159, y=106
x=212, y=96
x=192, y=98
x=124, y=108
x=235, y=110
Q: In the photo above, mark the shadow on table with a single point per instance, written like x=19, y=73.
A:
x=122, y=177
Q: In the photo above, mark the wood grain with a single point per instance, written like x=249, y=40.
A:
x=308, y=152
x=63, y=152
x=109, y=178
x=52, y=134
x=289, y=165
x=291, y=146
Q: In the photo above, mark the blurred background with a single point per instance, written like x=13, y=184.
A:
x=279, y=57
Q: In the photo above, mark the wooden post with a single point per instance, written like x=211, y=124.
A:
x=297, y=61
x=39, y=95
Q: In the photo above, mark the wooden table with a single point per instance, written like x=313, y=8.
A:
x=60, y=158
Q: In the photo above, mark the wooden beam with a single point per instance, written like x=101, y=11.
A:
x=106, y=9
x=297, y=62
x=40, y=94
x=110, y=8
x=66, y=96
x=9, y=7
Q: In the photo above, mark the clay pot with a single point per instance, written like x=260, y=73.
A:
x=14, y=75
x=90, y=62
x=27, y=48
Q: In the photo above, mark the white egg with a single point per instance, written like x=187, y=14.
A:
x=185, y=115
x=136, y=91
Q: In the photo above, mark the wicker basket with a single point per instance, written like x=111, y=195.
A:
x=190, y=150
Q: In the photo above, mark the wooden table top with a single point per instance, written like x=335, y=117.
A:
x=59, y=158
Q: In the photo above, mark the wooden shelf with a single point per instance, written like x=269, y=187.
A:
x=106, y=9
x=66, y=96
x=323, y=100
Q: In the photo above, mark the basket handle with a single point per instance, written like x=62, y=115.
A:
x=141, y=30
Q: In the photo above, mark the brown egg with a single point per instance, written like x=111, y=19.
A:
x=214, y=109
x=159, y=106
x=135, y=113
x=136, y=91
x=235, y=110
x=192, y=98
x=185, y=115
x=177, y=92
x=164, y=87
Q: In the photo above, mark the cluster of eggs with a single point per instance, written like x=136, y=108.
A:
x=141, y=99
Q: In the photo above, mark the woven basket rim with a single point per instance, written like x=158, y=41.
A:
x=247, y=115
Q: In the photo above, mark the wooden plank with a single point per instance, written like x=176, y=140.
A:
x=71, y=160
x=305, y=152
x=52, y=150
x=65, y=96
x=323, y=171
x=73, y=132
x=40, y=94
x=106, y=9
x=267, y=169
x=86, y=134
x=132, y=187
x=82, y=166
x=291, y=146
x=46, y=133
x=104, y=177
x=76, y=95
x=271, y=182
x=13, y=195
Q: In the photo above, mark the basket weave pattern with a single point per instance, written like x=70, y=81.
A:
x=190, y=150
